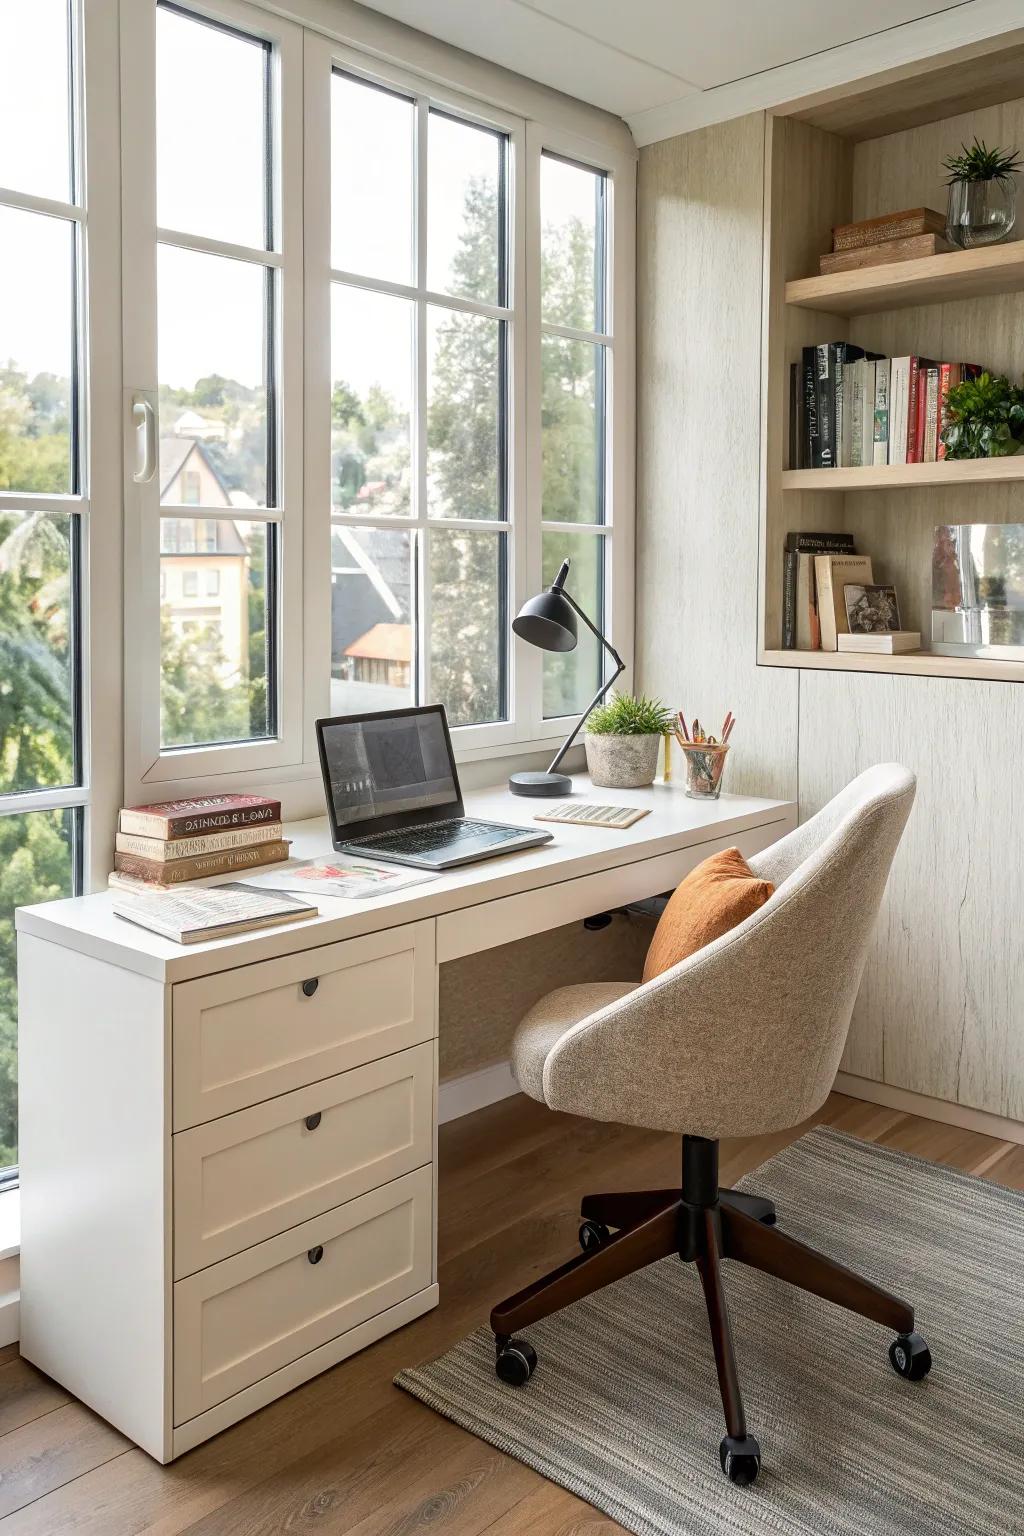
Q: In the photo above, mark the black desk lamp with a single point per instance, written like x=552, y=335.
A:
x=549, y=621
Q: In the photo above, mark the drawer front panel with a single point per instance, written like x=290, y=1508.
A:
x=243, y=1178
x=247, y=1035
x=238, y=1321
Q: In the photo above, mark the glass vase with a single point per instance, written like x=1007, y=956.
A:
x=980, y=212
x=705, y=765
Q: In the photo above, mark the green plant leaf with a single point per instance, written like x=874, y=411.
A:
x=628, y=715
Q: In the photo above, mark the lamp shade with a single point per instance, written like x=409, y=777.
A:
x=547, y=621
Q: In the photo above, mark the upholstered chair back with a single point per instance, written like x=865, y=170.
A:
x=746, y=1035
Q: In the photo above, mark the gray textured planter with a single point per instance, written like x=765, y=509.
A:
x=622, y=762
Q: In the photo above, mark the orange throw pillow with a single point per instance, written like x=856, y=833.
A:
x=716, y=896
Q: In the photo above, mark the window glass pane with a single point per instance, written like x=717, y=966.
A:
x=36, y=652
x=373, y=657
x=35, y=139
x=211, y=130
x=371, y=401
x=572, y=203
x=36, y=864
x=572, y=430
x=214, y=644
x=465, y=404
x=571, y=678
x=36, y=351
x=212, y=370
x=371, y=181
x=468, y=624
x=465, y=212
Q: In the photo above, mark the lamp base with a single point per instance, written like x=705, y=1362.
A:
x=543, y=785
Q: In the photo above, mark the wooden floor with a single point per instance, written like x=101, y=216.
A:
x=348, y=1452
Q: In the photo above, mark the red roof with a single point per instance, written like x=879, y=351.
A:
x=384, y=642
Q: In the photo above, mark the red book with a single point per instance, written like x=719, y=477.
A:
x=206, y=813
x=921, y=413
x=949, y=376
x=913, y=457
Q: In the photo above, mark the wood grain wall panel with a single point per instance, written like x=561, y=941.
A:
x=941, y=1008
x=699, y=264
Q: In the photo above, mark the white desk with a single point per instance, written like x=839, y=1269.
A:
x=229, y=1177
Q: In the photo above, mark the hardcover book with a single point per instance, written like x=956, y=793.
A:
x=189, y=818
x=911, y=248
x=831, y=574
x=190, y=917
x=176, y=871
x=162, y=849
x=893, y=643
x=798, y=543
x=889, y=226
x=880, y=444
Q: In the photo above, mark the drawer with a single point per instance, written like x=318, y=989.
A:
x=248, y=1176
x=257, y=1312
x=250, y=1034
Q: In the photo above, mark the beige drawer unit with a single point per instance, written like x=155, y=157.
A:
x=246, y=1035
x=247, y=1317
x=248, y=1176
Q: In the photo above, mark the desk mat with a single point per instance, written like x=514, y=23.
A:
x=623, y=1408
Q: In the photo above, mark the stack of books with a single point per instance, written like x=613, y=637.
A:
x=181, y=840
x=849, y=407
x=903, y=236
x=825, y=587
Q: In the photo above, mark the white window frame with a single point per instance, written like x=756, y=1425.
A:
x=152, y=772
x=306, y=55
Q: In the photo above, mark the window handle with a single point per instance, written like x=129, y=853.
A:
x=144, y=425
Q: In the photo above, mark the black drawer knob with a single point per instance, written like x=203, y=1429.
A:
x=316, y=1254
x=310, y=986
x=312, y=1121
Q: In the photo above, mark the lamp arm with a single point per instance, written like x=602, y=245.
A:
x=620, y=667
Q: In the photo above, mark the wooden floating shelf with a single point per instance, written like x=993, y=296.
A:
x=925, y=280
x=907, y=477
x=914, y=663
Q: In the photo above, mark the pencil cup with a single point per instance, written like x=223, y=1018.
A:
x=705, y=766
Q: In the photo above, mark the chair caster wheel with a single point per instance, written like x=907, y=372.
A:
x=593, y=1234
x=516, y=1362
x=910, y=1356
x=741, y=1459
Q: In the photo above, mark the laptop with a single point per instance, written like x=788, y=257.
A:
x=393, y=792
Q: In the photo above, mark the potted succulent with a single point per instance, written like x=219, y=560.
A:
x=986, y=418
x=982, y=203
x=622, y=741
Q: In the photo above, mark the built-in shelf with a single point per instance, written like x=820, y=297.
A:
x=914, y=663
x=907, y=477
x=902, y=284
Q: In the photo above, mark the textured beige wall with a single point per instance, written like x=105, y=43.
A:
x=699, y=257
x=483, y=997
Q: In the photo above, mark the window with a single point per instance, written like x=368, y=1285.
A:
x=191, y=485
x=420, y=381
x=43, y=496
x=213, y=583
x=189, y=583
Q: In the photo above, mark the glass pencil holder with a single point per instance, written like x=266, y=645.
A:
x=705, y=766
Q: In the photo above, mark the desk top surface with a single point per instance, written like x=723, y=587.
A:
x=89, y=924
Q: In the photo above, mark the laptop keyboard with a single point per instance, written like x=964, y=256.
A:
x=441, y=834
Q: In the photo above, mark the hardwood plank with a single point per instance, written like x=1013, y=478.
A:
x=52, y=1451
x=900, y=477
x=348, y=1453
x=910, y=664
x=26, y=1394
x=950, y=276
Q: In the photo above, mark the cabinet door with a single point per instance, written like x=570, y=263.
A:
x=246, y=1035
x=248, y=1176
x=238, y=1321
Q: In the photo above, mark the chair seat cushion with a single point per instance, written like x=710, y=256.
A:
x=547, y=1021
x=719, y=894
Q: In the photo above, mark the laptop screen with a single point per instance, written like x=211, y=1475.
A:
x=385, y=765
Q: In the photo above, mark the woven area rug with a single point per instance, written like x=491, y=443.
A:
x=624, y=1411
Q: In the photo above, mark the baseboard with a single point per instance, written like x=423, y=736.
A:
x=10, y=1307
x=462, y=1095
x=930, y=1109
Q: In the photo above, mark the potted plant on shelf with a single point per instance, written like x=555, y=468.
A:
x=622, y=741
x=982, y=203
x=986, y=418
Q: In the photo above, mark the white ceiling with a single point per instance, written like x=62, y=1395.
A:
x=631, y=56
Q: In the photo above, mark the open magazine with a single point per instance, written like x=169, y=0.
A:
x=354, y=878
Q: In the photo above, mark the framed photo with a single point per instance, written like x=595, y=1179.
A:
x=871, y=610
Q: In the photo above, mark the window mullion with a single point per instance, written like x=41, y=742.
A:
x=421, y=544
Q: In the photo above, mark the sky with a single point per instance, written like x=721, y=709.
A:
x=210, y=182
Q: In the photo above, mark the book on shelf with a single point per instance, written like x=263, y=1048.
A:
x=172, y=871
x=189, y=917
x=880, y=414
x=910, y=248
x=903, y=225
x=192, y=818
x=893, y=643
x=831, y=574
x=799, y=609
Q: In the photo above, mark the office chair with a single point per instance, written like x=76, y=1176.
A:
x=741, y=1038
